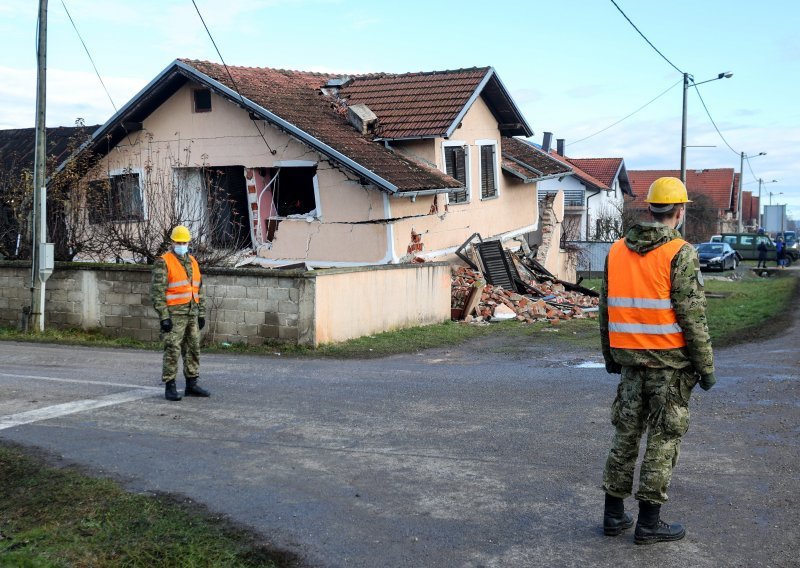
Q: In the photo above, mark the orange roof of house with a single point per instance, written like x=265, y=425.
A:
x=603, y=169
x=717, y=184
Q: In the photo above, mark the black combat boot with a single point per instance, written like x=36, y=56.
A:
x=650, y=528
x=171, y=391
x=193, y=390
x=615, y=519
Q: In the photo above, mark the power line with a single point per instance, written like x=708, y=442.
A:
x=712, y=121
x=235, y=86
x=630, y=115
x=86, y=49
x=664, y=57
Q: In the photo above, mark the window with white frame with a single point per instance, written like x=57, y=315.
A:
x=488, y=168
x=456, y=165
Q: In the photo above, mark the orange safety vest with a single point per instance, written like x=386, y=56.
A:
x=179, y=289
x=640, y=313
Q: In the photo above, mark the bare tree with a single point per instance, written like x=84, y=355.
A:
x=702, y=218
x=157, y=190
x=16, y=202
x=609, y=223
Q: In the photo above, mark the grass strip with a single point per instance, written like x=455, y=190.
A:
x=58, y=517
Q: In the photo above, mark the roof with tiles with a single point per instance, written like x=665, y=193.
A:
x=716, y=184
x=295, y=96
x=603, y=169
x=415, y=104
x=528, y=162
x=17, y=146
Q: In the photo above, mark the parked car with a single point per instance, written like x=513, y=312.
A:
x=746, y=244
x=717, y=256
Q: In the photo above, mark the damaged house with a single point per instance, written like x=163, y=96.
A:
x=317, y=169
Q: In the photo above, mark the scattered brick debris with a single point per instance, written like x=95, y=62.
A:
x=551, y=300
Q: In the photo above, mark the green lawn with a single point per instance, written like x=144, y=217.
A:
x=52, y=517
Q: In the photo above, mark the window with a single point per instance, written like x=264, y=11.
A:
x=456, y=165
x=202, y=100
x=488, y=171
x=745, y=240
x=228, y=211
x=730, y=239
x=294, y=192
x=118, y=198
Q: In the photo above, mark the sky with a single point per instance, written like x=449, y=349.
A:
x=574, y=68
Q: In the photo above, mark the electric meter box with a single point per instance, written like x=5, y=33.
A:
x=46, y=260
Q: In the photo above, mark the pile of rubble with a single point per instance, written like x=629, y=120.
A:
x=547, y=300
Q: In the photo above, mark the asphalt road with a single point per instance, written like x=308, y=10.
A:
x=485, y=455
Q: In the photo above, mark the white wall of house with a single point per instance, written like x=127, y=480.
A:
x=600, y=203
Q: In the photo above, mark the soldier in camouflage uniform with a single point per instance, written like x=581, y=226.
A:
x=655, y=385
x=177, y=294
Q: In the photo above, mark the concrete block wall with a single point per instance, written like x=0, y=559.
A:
x=243, y=305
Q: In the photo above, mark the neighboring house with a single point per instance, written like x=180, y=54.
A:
x=593, y=194
x=325, y=169
x=714, y=189
x=750, y=208
x=17, y=148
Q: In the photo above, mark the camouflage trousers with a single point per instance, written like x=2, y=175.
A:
x=656, y=401
x=182, y=342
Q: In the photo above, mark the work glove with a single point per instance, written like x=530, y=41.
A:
x=613, y=368
x=707, y=381
x=166, y=325
x=201, y=322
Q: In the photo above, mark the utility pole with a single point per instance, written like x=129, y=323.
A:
x=41, y=251
x=683, y=152
x=739, y=201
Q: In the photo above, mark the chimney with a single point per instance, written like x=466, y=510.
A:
x=560, y=146
x=332, y=87
x=362, y=118
x=548, y=137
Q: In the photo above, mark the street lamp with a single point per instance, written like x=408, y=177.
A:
x=771, y=194
x=687, y=78
x=741, y=175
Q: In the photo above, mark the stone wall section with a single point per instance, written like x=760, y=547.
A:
x=243, y=305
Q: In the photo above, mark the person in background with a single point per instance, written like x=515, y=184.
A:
x=780, y=252
x=762, y=254
x=654, y=333
x=176, y=291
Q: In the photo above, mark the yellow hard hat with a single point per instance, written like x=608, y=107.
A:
x=181, y=234
x=667, y=190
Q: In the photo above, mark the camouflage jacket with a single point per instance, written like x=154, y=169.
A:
x=158, y=291
x=688, y=301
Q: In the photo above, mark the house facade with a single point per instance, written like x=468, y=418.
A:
x=319, y=169
x=593, y=194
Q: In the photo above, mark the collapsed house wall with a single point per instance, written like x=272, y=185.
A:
x=550, y=253
x=243, y=305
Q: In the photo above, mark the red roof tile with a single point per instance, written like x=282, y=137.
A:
x=415, y=104
x=295, y=96
x=603, y=169
x=528, y=161
x=717, y=184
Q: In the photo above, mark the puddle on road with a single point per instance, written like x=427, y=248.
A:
x=590, y=365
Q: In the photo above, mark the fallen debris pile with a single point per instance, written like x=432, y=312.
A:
x=549, y=300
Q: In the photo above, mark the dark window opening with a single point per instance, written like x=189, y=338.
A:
x=293, y=191
x=228, y=214
x=488, y=185
x=202, y=100
x=455, y=163
x=118, y=198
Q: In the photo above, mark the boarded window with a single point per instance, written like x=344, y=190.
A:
x=455, y=163
x=117, y=199
x=488, y=183
x=202, y=100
